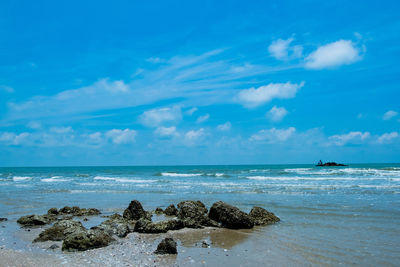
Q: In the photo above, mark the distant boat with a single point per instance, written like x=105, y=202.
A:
x=329, y=164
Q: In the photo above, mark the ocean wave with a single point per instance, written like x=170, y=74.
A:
x=123, y=180
x=54, y=179
x=301, y=178
x=173, y=174
x=21, y=178
x=345, y=171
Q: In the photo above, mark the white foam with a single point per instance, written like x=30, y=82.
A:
x=54, y=179
x=299, y=178
x=346, y=171
x=21, y=178
x=172, y=174
x=123, y=180
x=104, y=178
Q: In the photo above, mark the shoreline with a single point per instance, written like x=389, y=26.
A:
x=197, y=243
x=137, y=249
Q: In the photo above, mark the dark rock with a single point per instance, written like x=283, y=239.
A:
x=3, y=219
x=89, y=212
x=34, y=220
x=191, y=209
x=135, y=211
x=60, y=230
x=146, y=226
x=54, y=246
x=52, y=211
x=69, y=210
x=166, y=246
x=329, y=164
x=159, y=211
x=76, y=211
x=85, y=219
x=194, y=214
x=230, y=216
x=204, y=244
x=262, y=216
x=171, y=210
x=116, y=225
x=84, y=240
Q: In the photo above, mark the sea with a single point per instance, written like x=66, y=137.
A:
x=329, y=215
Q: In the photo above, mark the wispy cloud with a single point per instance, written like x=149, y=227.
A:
x=203, y=118
x=224, y=127
x=191, y=111
x=255, y=97
x=205, y=79
x=389, y=114
x=342, y=52
x=351, y=137
x=6, y=89
x=273, y=135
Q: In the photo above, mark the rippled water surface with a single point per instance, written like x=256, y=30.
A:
x=330, y=216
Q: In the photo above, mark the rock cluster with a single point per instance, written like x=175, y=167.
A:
x=190, y=214
x=171, y=210
x=36, y=220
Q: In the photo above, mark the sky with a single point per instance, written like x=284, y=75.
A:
x=198, y=82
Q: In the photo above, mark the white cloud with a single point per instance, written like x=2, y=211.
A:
x=14, y=139
x=61, y=130
x=387, y=137
x=273, y=135
x=280, y=49
x=193, y=137
x=166, y=131
x=34, y=125
x=351, y=137
x=118, y=136
x=203, y=118
x=342, y=52
x=191, y=111
x=193, y=80
x=156, y=117
x=95, y=138
x=389, y=114
x=255, y=97
x=276, y=113
x=103, y=94
x=224, y=127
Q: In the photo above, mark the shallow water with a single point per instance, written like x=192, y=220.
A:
x=330, y=216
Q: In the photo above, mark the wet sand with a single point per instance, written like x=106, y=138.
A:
x=229, y=247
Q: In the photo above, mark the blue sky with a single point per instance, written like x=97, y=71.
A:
x=210, y=82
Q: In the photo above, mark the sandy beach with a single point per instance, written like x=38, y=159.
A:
x=137, y=250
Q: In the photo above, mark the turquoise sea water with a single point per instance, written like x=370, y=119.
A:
x=330, y=216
